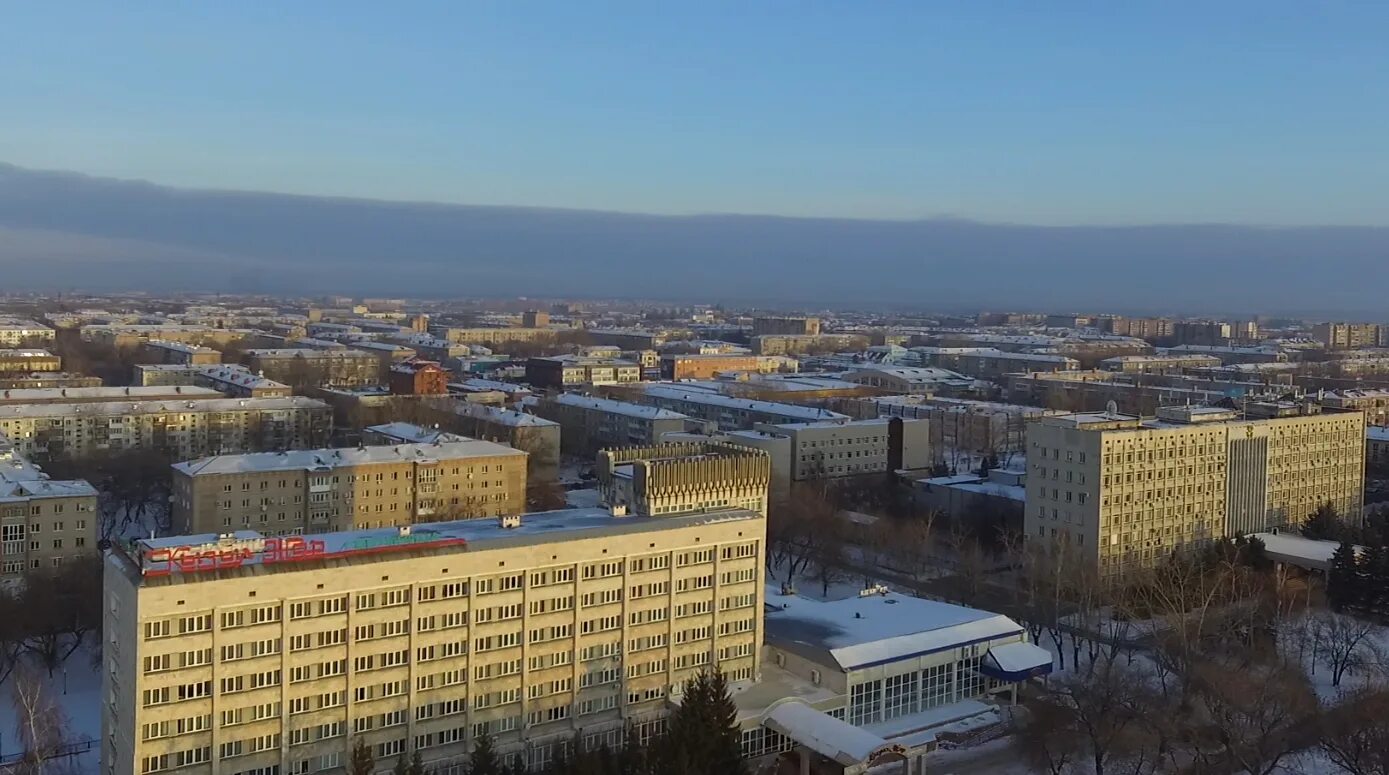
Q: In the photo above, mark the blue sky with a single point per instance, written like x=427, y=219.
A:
x=1052, y=113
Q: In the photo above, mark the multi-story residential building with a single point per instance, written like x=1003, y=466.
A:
x=537, y=436
x=1124, y=493
x=909, y=380
x=181, y=429
x=632, y=338
x=1092, y=391
x=47, y=379
x=244, y=653
x=180, y=352
x=18, y=332
x=967, y=426
x=105, y=394
x=796, y=344
x=43, y=521
x=228, y=379
x=533, y=318
x=1211, y=333
x=344, y=367
x=1231, y=354
x=785, y=326
x=678, y=366
x=126, y=335
x=684, y=477
x=728, y=413
x=491, y=336
x=1374, y=402
x=1377, y=447
x=1151, y=329
x=991, y=363
x=830, y=449
x=589, y=424
x=562, y=372
x=1171, y=363
x=29, y=361
x=1349, y=336
x=327, y=490
x=418, y=377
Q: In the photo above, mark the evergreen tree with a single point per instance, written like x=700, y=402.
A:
x=1372, y=591
x=362, y=763
x=703, y=737
x=401, y=766
x=1343, y=578
x=1324, y=524
x=416, y=764
x=484, y=759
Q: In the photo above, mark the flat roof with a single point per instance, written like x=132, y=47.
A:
x=611, y=406
x=330, y=458
x=675, y=392
x=109, y=393
x=161, y=407
x=186, y=559
x=878, y=628
x=305, y=352
x=410, y=433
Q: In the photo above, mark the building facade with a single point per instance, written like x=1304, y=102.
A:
x=29, y=361
x=293, y=366
x=562, y=372
x=1126, y=493
x=181, y=353
x=1348, y=336
x=588, y=424
x=43, y=521
x=418, y=377
x=328, y=490
x=179, y=429
x=785, y=326
x=684, y=477
x=529, y=630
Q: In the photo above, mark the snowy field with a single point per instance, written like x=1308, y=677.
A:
x=76, y=687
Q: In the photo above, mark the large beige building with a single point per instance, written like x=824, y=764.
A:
x=1348, y=336
x=297, y=366
x=328, y=490
x=182, y=429
x=42, y=521
x=1125, y=492
x=684, y=477
x=251, y=654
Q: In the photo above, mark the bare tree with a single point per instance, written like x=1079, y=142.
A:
x=1342, y=643
x=1354, y=735
x=1255, y=716
x=42, y=726
x=1106, y=714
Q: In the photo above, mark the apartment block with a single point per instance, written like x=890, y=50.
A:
x=829, y=450
x=785, y=326
x=228, y=379
x=992, y=363
x=493, y=336
x=588, y=424
x=344, y=367
x=43, y=521
x=1374, y=402
x=676, y=366
x=181, y=429
x=1172, y=363
x=1125, y=493
x=1349, y=336
x=328, y=490
x=418, y=377
x=247, y=653
x=19, y=332
x=180, y=352
x=562, y=372
x=29, y=361
x=797, y=344
x=728, y=413
x=104, y=394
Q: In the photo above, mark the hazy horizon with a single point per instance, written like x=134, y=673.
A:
x=60, y=230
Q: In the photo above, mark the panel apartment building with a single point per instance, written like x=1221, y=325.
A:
x=182, y=429
x=42, y=521
x=1125, y=493
x=328, y=490
x=589, y=424
x=244, y=653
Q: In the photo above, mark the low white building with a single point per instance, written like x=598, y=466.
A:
x=878, y=678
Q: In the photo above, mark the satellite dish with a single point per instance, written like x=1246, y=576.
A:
x=1112, y=407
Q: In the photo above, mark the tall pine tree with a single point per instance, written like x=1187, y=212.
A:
x=362, y=763
x=702, y=736
x=484, y=759
x=1373, y=590
x=1343, y=579
x=1324, y=524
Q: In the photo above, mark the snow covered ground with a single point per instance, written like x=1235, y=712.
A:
x=77, y=688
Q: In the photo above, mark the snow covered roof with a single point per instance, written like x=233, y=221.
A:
x=409, y=433
x=677, y=393
x=1302, y=552
x=617, y=407
x=1019, y=658
x=824, y=734
x=879, y=628
x=327, y=459
x=129, y=407
x=1377, y=433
